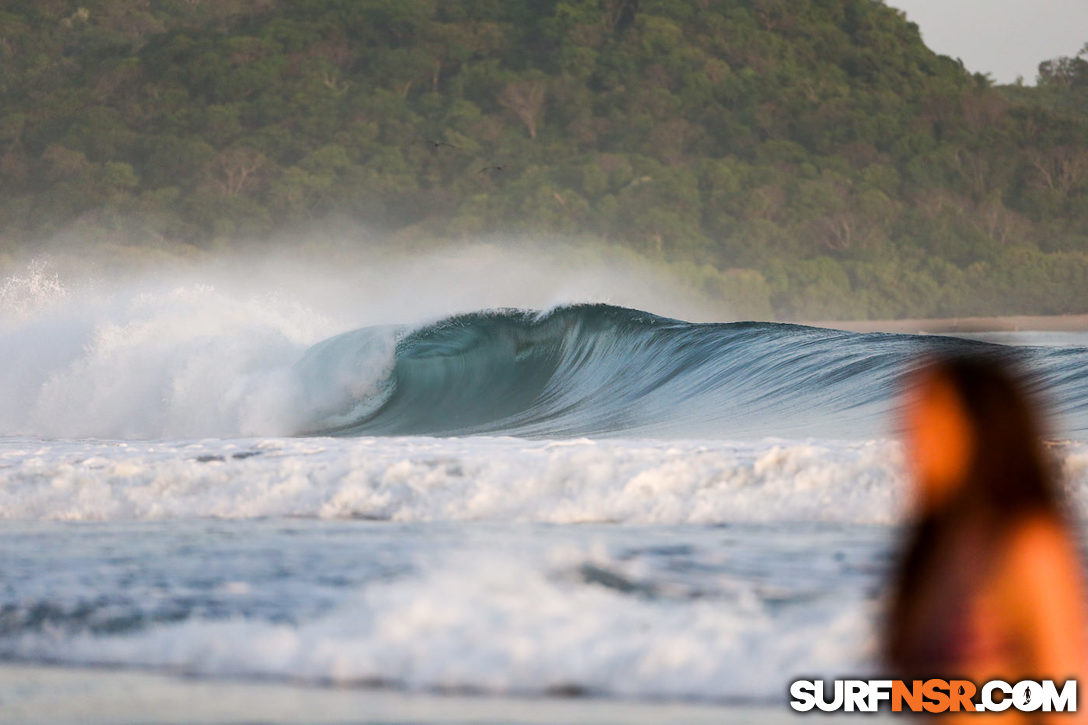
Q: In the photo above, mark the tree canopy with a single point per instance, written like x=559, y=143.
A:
x=815, y=149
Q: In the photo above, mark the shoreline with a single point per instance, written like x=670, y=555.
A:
x=967, y=325
x=87, y=695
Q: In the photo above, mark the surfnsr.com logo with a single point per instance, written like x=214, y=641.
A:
x=932, y=696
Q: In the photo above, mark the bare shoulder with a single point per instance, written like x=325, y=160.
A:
x=1042, y=589
x=1040, y=559
x=1040, y=539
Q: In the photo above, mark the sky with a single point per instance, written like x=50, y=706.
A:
x=1005, y=38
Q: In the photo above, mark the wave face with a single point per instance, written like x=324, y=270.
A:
x=597, y=370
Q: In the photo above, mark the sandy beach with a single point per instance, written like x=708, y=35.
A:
x=36, y=694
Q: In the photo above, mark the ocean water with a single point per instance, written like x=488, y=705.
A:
x=581, y=501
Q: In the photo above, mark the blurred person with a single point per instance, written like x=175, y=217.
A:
x=989, y=584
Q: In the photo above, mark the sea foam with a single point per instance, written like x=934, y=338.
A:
x=496, y=479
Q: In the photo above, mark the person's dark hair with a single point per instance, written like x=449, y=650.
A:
x=1008, y=478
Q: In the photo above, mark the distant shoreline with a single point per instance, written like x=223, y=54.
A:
x=949, y=325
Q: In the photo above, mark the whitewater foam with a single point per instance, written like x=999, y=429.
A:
x=489, y=479
x=406, y=479
x=186, y=361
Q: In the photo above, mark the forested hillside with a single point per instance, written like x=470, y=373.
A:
x=811, y=157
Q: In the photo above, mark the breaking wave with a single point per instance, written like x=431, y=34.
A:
x=598, y=370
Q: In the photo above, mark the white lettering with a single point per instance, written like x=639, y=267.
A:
x=803, y=694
